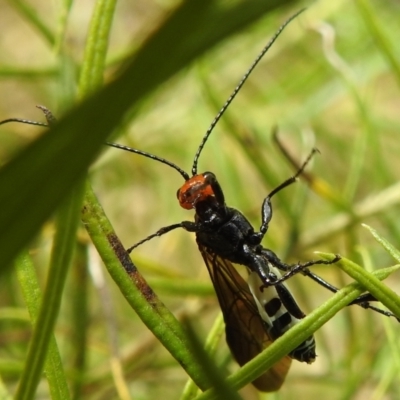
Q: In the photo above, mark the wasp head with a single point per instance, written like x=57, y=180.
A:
x=200, y=188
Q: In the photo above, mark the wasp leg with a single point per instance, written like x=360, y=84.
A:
x=295, y=269
x=362, y=301
x=266, y=209
x=256, y=262
x=187, y=225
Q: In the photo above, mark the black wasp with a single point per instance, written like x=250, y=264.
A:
x=262, y=309
x=257, y=312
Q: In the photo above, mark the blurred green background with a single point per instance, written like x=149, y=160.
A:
x=331, y=81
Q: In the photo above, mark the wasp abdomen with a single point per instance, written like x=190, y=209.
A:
x=280, y=312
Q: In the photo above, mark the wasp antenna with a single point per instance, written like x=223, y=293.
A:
x=47, y=113
x=23, y=121
x=50, y=118
x=152, y=156
x=237, y=89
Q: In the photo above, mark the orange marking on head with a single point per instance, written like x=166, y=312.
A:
x=193, y=191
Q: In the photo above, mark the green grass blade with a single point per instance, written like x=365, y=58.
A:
x=53, y=369
x=94, y=62
x=67, y=223
x=32, y=18
x=136, y=290
x=371, y=283
x=376, y=30
x=385, y=244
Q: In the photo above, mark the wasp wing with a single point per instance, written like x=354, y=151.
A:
x=246, y=333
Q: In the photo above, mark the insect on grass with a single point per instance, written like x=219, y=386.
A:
x=258, y=311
